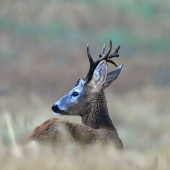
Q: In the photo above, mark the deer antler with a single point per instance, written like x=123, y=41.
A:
x=102, y=56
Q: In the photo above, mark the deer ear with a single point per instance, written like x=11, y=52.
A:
x=99, y=75
x=111, y=76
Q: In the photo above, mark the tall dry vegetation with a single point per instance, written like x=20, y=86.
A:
x=43, y=53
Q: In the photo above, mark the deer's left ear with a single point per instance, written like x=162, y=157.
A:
x=111, y=76
x=99, y=76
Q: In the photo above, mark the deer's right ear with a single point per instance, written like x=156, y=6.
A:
x=99, y=76
x=111, y=76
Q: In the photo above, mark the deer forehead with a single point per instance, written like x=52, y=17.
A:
x=81, y=82
x=79, y=87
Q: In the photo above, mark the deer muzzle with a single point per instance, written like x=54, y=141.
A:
x=56, y=109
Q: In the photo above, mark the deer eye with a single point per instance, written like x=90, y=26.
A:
x=75, y=94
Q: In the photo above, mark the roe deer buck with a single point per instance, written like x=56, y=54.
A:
x=87, y=100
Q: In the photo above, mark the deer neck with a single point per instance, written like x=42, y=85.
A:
x=97, y=115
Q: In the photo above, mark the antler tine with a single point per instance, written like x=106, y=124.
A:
x=109, y=49
x=92, y=65
x=103, y=50
x=115, y=53
x=104, y=57
x=89, y=55
x=110, y=61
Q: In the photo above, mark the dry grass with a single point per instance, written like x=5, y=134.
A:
x=75, y=157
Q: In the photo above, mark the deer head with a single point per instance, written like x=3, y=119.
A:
x=90, y=88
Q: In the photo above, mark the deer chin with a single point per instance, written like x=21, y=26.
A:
x=58, y=114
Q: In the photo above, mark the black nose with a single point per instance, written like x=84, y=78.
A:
x=56, y=109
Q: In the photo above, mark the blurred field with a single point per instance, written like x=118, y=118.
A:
x=43, y=53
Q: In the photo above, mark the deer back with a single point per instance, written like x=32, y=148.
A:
x=55, y=131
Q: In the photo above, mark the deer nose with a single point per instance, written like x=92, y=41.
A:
x=57, y=110
x=54, y=108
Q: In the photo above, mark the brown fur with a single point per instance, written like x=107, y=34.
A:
x=48, y=132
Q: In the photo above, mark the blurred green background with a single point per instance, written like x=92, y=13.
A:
x=43, y=53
